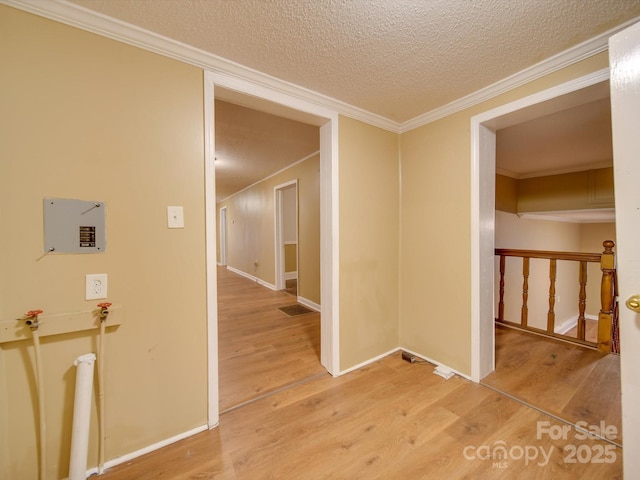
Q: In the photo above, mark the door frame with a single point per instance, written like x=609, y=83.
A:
x=223, y=236
x=483, y=172
x=625, y=98
x=327, y=120
x=279, y=229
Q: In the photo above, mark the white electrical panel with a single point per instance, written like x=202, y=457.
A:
x=74, y=226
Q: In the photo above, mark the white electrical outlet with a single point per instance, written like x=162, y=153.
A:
x=95, y=286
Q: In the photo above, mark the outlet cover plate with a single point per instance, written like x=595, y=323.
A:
x=95, y=286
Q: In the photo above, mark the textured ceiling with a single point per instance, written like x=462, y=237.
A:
x=395, y=58
x=252, y=145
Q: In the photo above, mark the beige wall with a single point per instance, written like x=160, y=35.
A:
x=570, y=191
x=506, y=194
x=89, y=118
x=435, y=230
x=369, y=228
x=290, y=257
x=250, y=228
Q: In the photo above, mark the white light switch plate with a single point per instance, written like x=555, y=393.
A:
x=95, y=286
x=175, y=217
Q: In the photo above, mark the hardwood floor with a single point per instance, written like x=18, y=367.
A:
x=590, y=331
x=291, y=286
x=260, y=348
x=565, y=380
x=389, y=420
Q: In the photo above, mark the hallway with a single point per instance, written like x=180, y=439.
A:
x=261, y=350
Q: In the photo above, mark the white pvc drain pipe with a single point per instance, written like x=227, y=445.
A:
x=81, y=416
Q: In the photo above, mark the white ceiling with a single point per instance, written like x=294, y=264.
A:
x=395, y=58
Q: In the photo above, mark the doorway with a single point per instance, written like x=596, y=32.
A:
x=484, y=128
x=280, y=103
x=483, y=187
x=286, y=237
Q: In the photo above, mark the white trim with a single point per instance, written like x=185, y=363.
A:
x=544, y=95
x=436, y=364
x=308, y=303
x=482, y=211
x=587, y=215
x=213, y=407
x=252, y=278
x=91, y=21
x=582, y=51
x=151, y=448
x=329, y=198
x=280, y=273
x=291, y=275
x=570, y=323
x=329, y=247
x=370, y=361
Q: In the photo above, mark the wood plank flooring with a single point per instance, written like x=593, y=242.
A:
x=590, y=331
x=574, y=383
x=260, y=348
x=389, y=420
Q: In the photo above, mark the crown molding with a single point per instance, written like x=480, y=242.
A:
x=582, y=51
x=94, y=22
x=88, y=20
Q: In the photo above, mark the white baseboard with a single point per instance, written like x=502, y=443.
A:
x=309, y=303
x=367, y=362
x=568, y=324
x=149, y=449
x=259, y=281
x=438, y=365
x=441, y=366
x=290, y=275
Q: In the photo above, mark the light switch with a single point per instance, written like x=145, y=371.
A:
x=175, y=217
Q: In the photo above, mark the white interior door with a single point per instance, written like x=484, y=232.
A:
x=624, y=54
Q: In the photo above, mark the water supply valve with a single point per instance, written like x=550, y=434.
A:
x=104, y=310
x=31, y=319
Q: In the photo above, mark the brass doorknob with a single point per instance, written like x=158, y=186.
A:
x=634, y=303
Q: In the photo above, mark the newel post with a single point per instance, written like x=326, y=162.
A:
x=608, y=267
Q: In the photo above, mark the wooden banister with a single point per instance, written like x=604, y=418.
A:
x=551, y=316
x=525, y=291
x=607, y=294
x=607, y=321
x=587, y=257
x=582, y=300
